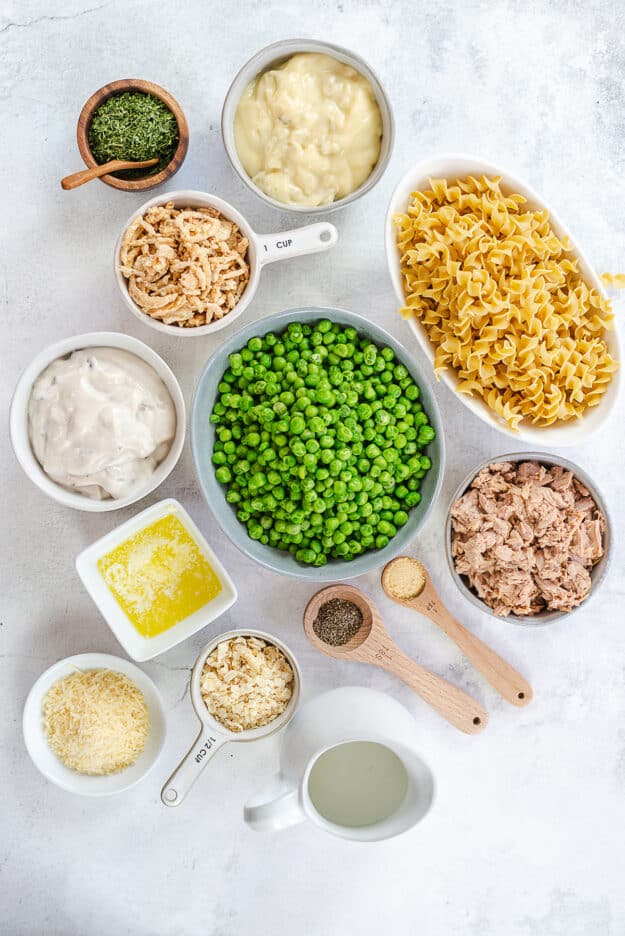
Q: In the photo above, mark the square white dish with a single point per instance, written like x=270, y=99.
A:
x=136, y=646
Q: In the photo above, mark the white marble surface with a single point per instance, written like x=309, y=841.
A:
x=526, y=837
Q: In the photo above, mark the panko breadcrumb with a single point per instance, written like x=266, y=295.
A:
x=246, y=683
x=184, y=266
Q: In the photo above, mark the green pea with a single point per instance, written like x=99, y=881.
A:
x=223, y=474
x=297, y=425
x=321, y=436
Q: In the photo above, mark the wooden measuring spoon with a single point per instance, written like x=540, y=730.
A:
x=502, y=677
x=372, y=644
x=115, y=165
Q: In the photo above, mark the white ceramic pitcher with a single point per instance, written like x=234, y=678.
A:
x=328, y=723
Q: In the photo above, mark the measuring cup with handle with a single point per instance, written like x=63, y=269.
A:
x=262, y=249
x=350, y=765
x=212, y=733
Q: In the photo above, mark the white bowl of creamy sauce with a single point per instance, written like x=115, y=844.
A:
x=307, y=126
x=98, y=421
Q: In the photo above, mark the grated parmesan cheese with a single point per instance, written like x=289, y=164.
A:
x=96, y=721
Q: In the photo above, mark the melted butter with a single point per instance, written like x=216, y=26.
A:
x=159, y=576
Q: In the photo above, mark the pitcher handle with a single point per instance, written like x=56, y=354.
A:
x=279, y=813
x=191, y=766
x=309, y=239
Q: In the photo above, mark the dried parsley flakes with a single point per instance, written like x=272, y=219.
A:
x=135, y=126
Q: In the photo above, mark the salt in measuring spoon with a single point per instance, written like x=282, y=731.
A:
x=372, y=644
x=502, y=677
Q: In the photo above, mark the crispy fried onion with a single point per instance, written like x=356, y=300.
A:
x=184, y=266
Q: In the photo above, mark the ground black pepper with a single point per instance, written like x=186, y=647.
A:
x=337, y=621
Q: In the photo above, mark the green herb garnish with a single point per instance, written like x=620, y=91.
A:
x=134, y=126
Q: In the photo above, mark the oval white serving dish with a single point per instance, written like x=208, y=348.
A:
x=18, y=419
x=46, y=760
x=458, y=165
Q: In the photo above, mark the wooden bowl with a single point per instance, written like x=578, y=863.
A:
x=117, y=87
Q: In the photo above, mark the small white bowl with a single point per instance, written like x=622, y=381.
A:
x=457, y=166
x=145, y=648
x=49, y=764
x=263, y=249
x=18, y=419
x=274, y=55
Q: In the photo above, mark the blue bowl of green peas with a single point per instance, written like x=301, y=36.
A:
x=317, y=443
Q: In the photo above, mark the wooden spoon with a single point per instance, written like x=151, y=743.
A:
x=503, y=677
x=115, y=165
x=372, y=644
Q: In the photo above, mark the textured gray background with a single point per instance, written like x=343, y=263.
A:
x=526, y=838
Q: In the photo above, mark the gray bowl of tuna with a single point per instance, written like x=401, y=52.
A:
x=528, y=537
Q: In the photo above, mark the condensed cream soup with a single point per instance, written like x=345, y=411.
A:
x=308, y=132
x=100, y=421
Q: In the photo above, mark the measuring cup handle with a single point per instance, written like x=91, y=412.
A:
x=189, y=769
x=305, y=240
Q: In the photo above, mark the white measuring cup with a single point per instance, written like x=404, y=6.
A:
x=212, y=733
x=263, y=249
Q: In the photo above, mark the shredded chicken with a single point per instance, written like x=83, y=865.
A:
x=526, y=537
x=184, y=266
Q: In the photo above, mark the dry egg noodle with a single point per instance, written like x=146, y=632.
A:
x=502, y=302
x=96, y=721
x=246, y=683
x=405, y=578
x=184, y=266
x=617, y=280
